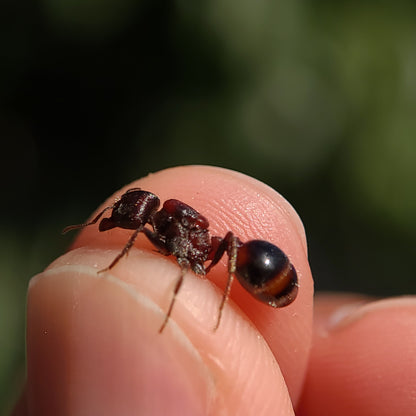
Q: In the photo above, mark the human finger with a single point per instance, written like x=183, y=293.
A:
x=362, y=361
x=252, y=210
x=120, y=303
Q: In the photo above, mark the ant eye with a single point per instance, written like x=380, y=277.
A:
x=266, y=272
x=185, y=222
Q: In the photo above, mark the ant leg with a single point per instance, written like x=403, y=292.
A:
x=232, y=246
x=156, y=241
x=77, y=226
x=219, y=247
x=160, y=245
x=175, y=292
x=125, y=250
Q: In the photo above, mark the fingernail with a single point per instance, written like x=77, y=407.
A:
x=350, y=314
x=344, y=315
x=93, y=347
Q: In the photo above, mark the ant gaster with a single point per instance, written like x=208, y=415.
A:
x=179, y=230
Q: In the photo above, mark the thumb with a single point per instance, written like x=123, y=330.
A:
x=94, y=347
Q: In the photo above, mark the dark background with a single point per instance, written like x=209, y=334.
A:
x=317, y=99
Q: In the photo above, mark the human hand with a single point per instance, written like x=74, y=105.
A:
x=93, y=345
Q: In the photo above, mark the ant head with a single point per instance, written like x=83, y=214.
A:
x=132, y=211
x=107, y=224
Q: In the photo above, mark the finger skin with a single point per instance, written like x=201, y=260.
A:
x=236, y=371
x=363, y=358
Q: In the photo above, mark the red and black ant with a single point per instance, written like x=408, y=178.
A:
x=179, y=230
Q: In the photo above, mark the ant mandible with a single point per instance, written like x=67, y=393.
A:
x=179, y=230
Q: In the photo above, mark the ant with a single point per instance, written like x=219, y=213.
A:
x=179, y=230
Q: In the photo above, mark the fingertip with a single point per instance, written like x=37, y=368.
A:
x=93, y=348
x=367, y=350
x=94, y=345
x=235, y=202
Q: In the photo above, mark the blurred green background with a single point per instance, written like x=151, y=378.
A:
x=317, y=99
